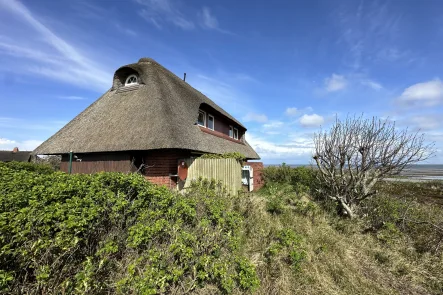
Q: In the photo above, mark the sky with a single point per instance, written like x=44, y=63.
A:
x=285, y=69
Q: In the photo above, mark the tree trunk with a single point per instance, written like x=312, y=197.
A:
x=346, y=209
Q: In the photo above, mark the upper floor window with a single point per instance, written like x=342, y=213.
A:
x=235, y=133
x=231, y=131
x=201, y=118
x=131, y=80
x=211, y=122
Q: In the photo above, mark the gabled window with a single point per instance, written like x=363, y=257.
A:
x=231, y=131
x=235, y=133
x=201, y=118
x=211, y=122
x=131, y=80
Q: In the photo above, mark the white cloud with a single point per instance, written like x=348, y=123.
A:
x=293, y=151
x=158, y=12
x=372, y=84
x=26, y=145
x=335, y=83
x=260, y=118
x=313, y=120
x=292, y=111
x=49, y=55
x=426, y=93
x=5, y=141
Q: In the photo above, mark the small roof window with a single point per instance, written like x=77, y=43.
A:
x=131, y=80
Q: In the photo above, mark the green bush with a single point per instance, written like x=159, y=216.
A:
x=116, y=233
x=391, y=216
x=235, y=155
x=42, y=168
x=303, y=178
x=286, y=244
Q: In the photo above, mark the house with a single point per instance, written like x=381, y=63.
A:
x=15, y=155
x=149, y=116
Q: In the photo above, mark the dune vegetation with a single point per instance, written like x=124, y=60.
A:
x=113, y=233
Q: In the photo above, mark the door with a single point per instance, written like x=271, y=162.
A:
x=251, y=179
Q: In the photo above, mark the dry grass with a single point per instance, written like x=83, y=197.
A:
x=340, y=258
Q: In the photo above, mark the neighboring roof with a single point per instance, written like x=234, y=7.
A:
x=159, y=113
x=9, y=156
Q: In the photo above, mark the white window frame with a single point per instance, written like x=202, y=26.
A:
x=213, y=122
x=129, y=77
x=204, y=118
x=233, y=133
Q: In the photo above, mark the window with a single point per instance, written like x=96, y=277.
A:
x=201, y=118
x=231, y=131
x=211, y=122
x=235, y=133
x=131, y=80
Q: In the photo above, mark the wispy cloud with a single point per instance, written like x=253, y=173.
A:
x=71, y=97
x=292, y=111
x=125, y=30
x=273, y=125
x=159, y=12
x=371, y=83
x=53, y=58
x=428, y=93
x=209, y=21
x=22, y=124
x=335, y=83
x=254, y=117
x=426, y=122
x=370, y=31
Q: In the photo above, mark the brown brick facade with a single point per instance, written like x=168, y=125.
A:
x=160, y=165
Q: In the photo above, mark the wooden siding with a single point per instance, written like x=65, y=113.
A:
x=97, y=162
x=226, y=170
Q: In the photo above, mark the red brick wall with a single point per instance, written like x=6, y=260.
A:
x=257, y=171
x=162, y=163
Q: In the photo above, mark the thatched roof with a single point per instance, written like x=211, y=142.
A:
x=9, y=156
x=159, y=113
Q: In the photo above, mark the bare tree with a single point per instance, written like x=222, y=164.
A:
x=356, y=153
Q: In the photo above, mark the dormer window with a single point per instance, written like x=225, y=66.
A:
x=131, y=80
x=201, y=118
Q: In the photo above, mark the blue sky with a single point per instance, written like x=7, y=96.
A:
x=283, y=68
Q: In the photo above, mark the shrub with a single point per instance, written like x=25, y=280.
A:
x=116, y=233
x=286, y=244
x=390, y=216
x=302, y=178
x=235, y=155
x=42, y=168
